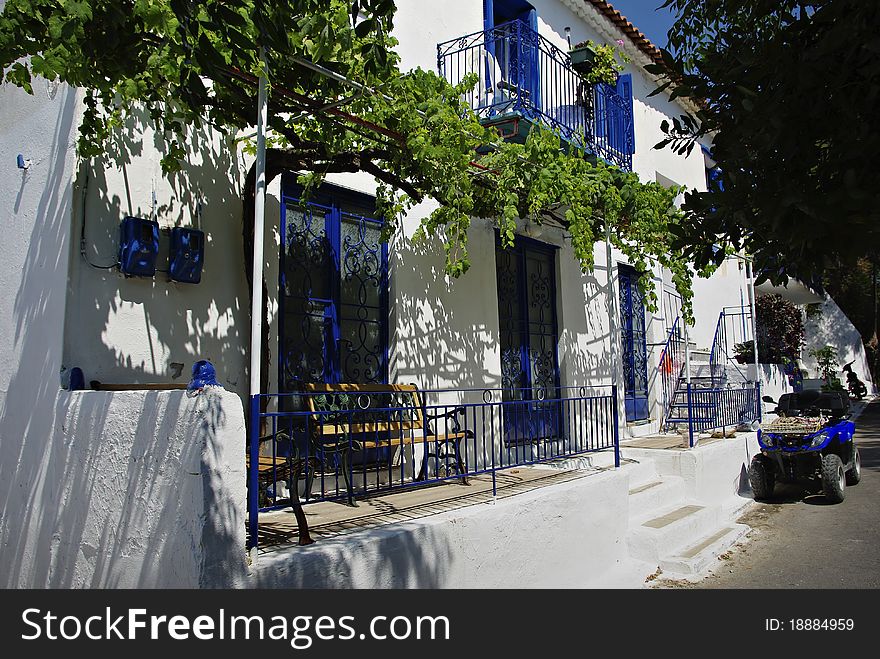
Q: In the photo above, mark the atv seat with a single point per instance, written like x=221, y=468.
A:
x=809, y=401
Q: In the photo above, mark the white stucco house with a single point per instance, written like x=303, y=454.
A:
x=111, y=475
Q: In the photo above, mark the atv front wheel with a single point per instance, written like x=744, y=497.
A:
x=761, y=478
x=854, y=475
x=833, y=478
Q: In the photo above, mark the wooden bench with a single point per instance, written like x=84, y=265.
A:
x=358, y=417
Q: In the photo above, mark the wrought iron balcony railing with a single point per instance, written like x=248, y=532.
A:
x=524, y=79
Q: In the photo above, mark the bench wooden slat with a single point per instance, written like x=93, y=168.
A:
x=401, y=441
x=331, y=428
x=267, y=462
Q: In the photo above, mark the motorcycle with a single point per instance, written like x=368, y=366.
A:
x=856, y=387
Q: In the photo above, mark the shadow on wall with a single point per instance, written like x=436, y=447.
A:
x=830, y=326
x=141, y=491
x=441, y=334
x=26, y=418
x=445, y=332
x=584, y=355
x=417, y=557
x=75, y=509
x=135, y=330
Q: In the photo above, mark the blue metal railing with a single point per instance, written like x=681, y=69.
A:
x=450, y=435
x=520, y=74
x=720, y=407
x=733, y=326
x=672, y=362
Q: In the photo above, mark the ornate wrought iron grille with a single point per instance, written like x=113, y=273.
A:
x=529, y=338
x=333, y=294
x=633, y=341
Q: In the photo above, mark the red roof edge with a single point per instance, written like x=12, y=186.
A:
x=631, y=31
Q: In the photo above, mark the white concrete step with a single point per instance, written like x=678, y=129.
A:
x=655, y=495
x=640, y=471
x=698, y=557
x=664, y=531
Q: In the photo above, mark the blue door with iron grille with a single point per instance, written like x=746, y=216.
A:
x=333, y=290
x=633, y=341
x=512, y=41
x=526, y=278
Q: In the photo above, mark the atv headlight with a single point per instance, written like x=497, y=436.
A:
x=767, y=440
x=819, y=439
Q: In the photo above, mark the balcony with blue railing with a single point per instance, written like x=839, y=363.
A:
x=523, y=80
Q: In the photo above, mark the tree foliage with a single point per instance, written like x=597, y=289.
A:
x=194, y=63
x=780, y=328
x=788, y=91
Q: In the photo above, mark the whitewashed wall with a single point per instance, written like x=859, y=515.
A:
x=95, y=488
x=132, y=490
x=134, y=329
x=727, y=287
x=832, y=327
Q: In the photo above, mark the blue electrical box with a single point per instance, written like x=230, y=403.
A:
x=138, y=246
x=187, y=255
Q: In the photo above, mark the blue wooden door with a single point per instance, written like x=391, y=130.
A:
x=512, y=40
x=633, y=342
x=333, y=293
x=526, y=282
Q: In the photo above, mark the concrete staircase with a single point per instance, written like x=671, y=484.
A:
x=701, y=378
x=667, y=529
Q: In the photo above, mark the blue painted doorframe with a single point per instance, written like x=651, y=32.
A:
x=333, y=289
x=634, y=344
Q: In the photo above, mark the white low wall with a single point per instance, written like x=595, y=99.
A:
x=562, y=536
x=130, y=489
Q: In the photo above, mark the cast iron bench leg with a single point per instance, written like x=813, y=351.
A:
x=302, y=523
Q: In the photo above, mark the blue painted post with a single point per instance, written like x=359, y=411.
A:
x=253, y=473
x=616, y=421
x=690, y=417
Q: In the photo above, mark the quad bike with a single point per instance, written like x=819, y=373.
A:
x=811, y=437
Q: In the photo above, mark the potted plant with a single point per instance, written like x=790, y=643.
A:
x=744, y=352
x=582, y=56
x=597, y=62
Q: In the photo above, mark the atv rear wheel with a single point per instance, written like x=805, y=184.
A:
x=833, y=478
x=761, y=478
x=854, y=475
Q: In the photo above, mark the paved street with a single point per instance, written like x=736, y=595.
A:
x=799, y=541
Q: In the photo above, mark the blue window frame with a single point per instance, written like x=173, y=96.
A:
x=333, y=289
x=526, y=279
x=634, y=343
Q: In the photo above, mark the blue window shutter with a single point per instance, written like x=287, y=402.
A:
x=627, y=143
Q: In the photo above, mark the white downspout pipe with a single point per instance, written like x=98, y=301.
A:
x=257, y=309
x=613, y=334
x=259, y=230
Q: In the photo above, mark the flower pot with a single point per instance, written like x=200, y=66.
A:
x=741, y=359
x=582, y=59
